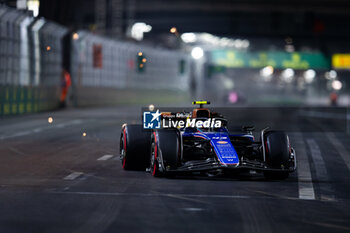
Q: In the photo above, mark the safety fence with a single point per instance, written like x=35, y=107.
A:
x=33, y=56
x=30, y=62
x=132, y=69
x=102, y=62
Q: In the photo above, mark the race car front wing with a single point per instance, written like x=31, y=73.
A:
x=214, y=164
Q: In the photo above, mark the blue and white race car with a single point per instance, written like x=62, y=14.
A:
x=205, y=150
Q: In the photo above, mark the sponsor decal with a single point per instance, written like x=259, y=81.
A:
x=221, y=142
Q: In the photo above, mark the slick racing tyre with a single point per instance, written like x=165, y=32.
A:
x=135, y=147
x=277, y=154
x=165, y=151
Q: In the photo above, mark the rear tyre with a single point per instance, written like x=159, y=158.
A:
x=165, y=152
x=277, y=154
x=135, y=146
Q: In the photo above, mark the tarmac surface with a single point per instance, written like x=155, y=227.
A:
x=67, y=177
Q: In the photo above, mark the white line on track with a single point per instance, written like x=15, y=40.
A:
x=73, y=176
x=342, y=151
x=105, y=157
x=305, y=185
x=182, y=195
x=321, y=170
x=154, y=195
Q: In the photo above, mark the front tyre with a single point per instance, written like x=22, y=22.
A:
x=154, y=159
x=165, y=152
x=134, y=147
x=277, y=155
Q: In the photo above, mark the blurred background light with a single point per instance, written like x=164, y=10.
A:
x=245, y=43
x=289, y=48
x=337, y=85
x=138, y=29
x=331, y=75
x=197, y=53
x=188, y=37
x=228, y=83
x=266, y=71
x=75, y=36
x=233, y=97
x=33, y=5
x=214, y=41
x=309, y=75
x=288, y=75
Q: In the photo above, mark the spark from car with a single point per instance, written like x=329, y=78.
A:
x=50, y=120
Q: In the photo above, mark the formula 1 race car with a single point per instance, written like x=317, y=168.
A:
x=211, y=150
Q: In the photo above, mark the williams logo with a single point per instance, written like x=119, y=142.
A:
x=151, y=120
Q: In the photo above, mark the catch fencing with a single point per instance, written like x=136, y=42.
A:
x=30, y=62
x=125, y=72
x=33, y=55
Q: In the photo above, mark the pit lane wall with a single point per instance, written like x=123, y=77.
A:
x=33, y=55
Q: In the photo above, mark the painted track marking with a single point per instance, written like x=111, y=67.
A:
x=73, y=176
x=153, y=195
x=321, y=170
x=184, y=196
x=305, y=185
x=105, y=157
